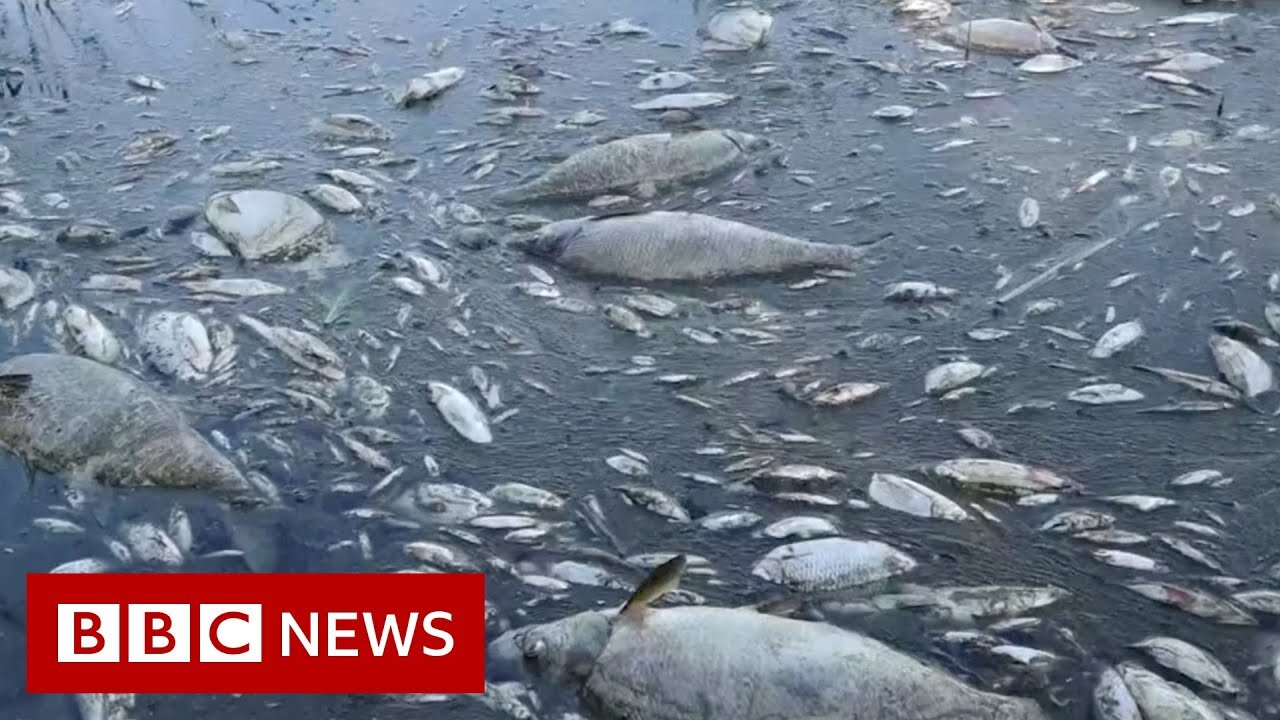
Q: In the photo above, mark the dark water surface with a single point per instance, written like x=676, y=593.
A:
x=1042, y=139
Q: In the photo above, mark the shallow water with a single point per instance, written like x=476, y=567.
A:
x=78, y=56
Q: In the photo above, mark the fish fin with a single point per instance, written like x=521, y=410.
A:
x=663, y=579
x=620, y=212
x=1253, y=404
x=29, y=470
x=13, y=385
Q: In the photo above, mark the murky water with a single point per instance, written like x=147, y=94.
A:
x=1042, y=139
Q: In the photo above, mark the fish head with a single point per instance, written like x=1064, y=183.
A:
x=747, y=142
x=207, y=468
x=550, y=240
x=561, y=652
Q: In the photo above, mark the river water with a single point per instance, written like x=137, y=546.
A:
x=1042, y=138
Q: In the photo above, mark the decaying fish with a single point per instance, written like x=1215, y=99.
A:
x=176, y=344
x=662, y=245
x=640, y=164
x=90, y=336
x=687, y=663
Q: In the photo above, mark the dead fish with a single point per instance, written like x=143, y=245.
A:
x=1200, y=383
x=1104, y=394
x=800, y=526
x=623, y=318
x=177, y=344
x=904, y=495
x=669, y=80
x=949, y=376
x=663, y=580
x=1077, y=520
x=1130, y=561
x=644, y=659
x=894, y=113
x=916, y=290
x=655, y=501
x=999, y=36
x=661, y=245
x=1117, y=339
x=1112, y=699
x=92, y=338
x=426, y=86
x=150, y=544
x=737, y=29
x=1028, y=213
x=1000, y=476
x=1194, y=602
x=125, y=435
x=1191, y=661
x=1161, y=698
x=1046, y=63
x=335, y=198
x=460, y=412
x=686, y=101
x=1241, y=366
x=832, y=564
x=845, y=393
x=639, y=164
x=303, y=348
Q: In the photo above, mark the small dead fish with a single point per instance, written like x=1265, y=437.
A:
x=1118, y=338
x=917, y=290
x=1241, y=366
x=460, y=412
x=1104, y=394
x=949, y=376
x=654, y=501
x=845, y=393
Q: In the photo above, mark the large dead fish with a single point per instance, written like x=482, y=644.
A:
x=663, y=245
x=640, y=164
x=720, y=663
x=80, y=419
x=89, y=423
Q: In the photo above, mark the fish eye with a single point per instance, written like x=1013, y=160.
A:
x=535, y=649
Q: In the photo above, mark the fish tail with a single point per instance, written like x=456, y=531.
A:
x=857, y=252
x=844, y=255
x=515, y=195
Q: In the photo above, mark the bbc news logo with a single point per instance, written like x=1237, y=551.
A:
x=248, y=633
